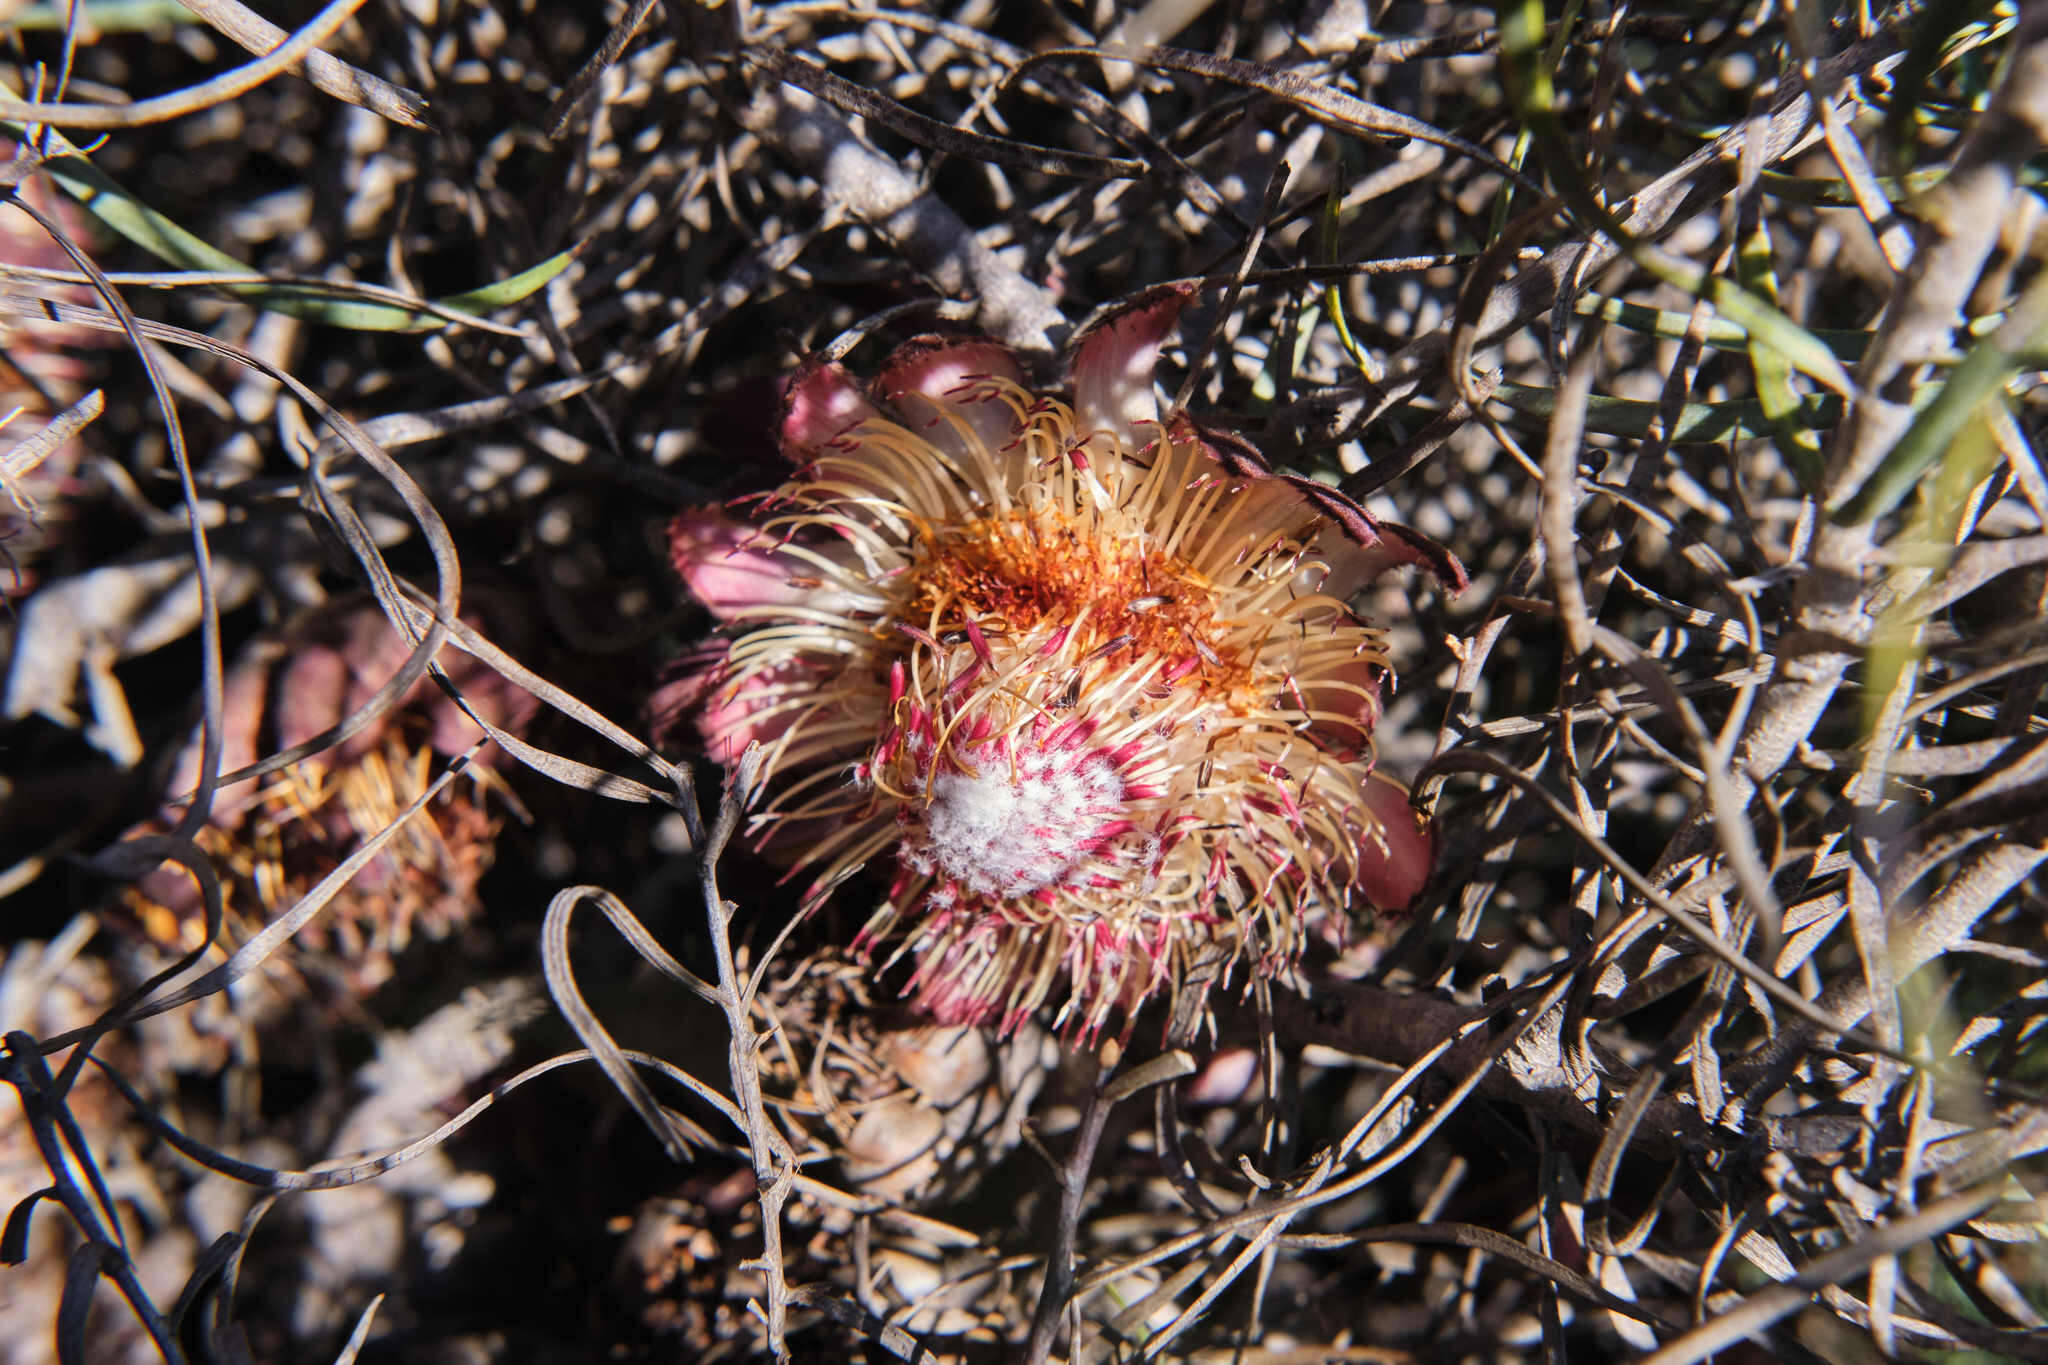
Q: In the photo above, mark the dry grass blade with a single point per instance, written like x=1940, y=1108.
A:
x=929, y=132
x=579, y=87
x=259, y=948
x=893, y=1339
x=27, y=454
x=1760, y=1310
x=1701, y=934
x=1344, y=112
x=677, y=1134
x=354, y=1345
x=102, y=1251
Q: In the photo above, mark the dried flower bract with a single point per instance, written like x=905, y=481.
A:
x=1084, y=671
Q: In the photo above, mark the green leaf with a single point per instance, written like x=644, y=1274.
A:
x=511, y=289
x=1526, y=73
x=1766, y=325
x=1333, y=295
x=1938, y=24
x=1980, y=378
x=1737, y=420
x=108, y=16
x=1774, y=390
x=1847, y=344
x=121, y=212
x=1671, y=324
x=98, y=195
x=1834, y=192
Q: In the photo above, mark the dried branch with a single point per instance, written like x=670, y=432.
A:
x=222, y=88
x=337, y=78
x=774, y=1162
x=856, y=180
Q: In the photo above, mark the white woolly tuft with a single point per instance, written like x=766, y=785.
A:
x=1004, y=832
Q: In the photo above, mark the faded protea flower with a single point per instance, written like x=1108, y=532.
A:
x=273, y=838
x=1086, y=673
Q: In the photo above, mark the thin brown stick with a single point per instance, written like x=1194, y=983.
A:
x=1057, y=1289
x=854, y=178
x=1761, y=1309
x=774, y=1162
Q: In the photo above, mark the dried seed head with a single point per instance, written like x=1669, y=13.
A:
x=272, y=839
x=915, y=1115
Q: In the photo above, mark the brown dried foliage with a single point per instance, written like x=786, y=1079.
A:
x=1720, y=1021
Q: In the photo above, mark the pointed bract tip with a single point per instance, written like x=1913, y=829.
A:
x=821, y=404
x=941, y=367
x=728, y=565
x=1391, y=878
x=1114, y=362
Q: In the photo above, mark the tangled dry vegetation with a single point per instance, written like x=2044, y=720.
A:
x=352, y=388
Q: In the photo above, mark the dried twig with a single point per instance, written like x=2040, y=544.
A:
x=222, y=88
x=856, y=180
x=774, y=1162
x=330, y=74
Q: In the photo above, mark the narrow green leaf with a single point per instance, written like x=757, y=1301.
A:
x=121, y=212
x=1981, y=378
x=511, y=289
x=108, y=16
x=1774, y=389
x=1847, y=344
x=1937, y=25
x=1737, y=420
x=98, y=195
x=1669, y=323
x=1928, y=543
x=1527, y=77
x=1834, y=192
x=1333, y=294
x=1762, y=321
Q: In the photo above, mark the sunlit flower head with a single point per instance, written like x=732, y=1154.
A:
x=1084, y=674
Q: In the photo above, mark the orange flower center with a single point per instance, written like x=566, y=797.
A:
x=1012, y=574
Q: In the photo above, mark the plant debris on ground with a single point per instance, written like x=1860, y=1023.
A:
x=389, y=973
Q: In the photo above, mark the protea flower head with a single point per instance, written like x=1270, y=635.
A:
x=1084, y=671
